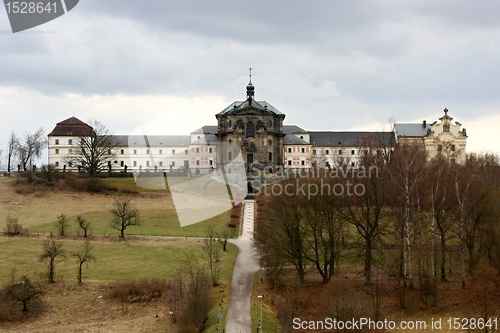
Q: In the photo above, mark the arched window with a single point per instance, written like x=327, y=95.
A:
x=270, y=142
x=250, y=130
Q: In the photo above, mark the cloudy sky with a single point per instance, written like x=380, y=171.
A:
x=328, y=65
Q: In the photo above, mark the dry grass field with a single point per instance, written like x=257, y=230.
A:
x=69, y=307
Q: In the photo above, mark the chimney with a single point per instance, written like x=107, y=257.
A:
x=424, y=124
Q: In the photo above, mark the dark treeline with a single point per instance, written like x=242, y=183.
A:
x=414, y=218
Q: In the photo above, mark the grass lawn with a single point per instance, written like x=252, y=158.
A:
x=116, y=260
x=154, y=222
x=269, y=321
x=150, y=184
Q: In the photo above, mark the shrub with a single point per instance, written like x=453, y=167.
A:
x=88, y=184
x=8, y=312
x=13, y=228
x=48, y=173
x=138, y=290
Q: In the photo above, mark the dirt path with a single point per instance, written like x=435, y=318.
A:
x=238, y=314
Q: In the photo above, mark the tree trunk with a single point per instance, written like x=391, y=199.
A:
x=368, y=264
x=443, y=257
x=80, y=272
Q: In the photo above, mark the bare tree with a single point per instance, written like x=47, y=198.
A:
x=366, y=212
x=407, y=171
x=124, y=216
x=481, y=299
x=93, y=149
x=30, y=147
x=322, y=228
x=84, y=256
x=283, y=236
x=212, y=253
x=223, y=237
x=196, y=295
x=51, y=251
x=84, y=224
x=11, y=149
x=62, y=224
x=24, y=292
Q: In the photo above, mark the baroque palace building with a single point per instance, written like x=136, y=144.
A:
x=256, y=130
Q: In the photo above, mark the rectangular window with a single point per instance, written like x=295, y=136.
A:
x=352, y=152
x=160, y=152
x=303, y=150
x=122, y=151
x=210, y=150
x=289, y=150
x=122, y=163
x=197, y=162
x=57, y=151
x=289, y=162
x=173, y=163
x=135, y=151
x=57, y=141
x=70, y=151
x=147, y=151
x=173, y=151
x=197, y=150
x=230, y=156
x=186, y=152
x=135, y=163
x=327, y=152
x=303, y=162
x=70, y=142
x=147, y=163
x=161, y=163
x=57, y=164
x=270, y=157
x=340, y=152
x=314, y=151
x=211, y=162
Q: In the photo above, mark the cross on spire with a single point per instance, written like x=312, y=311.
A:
x=446, y=111
x=250, y=69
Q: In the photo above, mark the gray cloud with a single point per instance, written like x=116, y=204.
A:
x=344, y=61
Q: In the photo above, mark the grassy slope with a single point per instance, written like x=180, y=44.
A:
x=116, y=260
x=154, y=222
